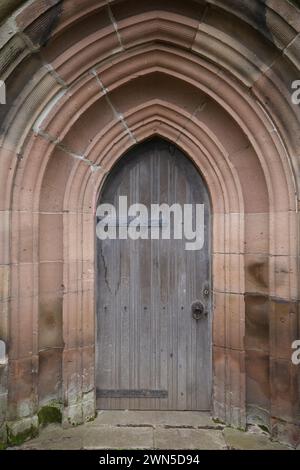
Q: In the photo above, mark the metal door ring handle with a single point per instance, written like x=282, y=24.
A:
x=198, y=310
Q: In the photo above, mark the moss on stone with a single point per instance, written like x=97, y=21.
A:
x=7, y=7
x=3, y=437
x=264, y=428
x=91, y=418
x=218, y=421
x=18, y=439
x=295, y=2
x=49, y=414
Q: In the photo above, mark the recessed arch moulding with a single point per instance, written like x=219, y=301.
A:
x=87, y=81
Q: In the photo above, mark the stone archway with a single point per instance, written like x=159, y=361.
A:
x=206, y=76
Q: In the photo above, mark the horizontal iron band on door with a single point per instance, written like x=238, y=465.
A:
x=132, y=393
x=125, y=222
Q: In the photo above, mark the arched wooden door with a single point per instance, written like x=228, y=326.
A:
x=153, y=341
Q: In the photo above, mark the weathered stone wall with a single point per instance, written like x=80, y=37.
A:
x=87, y=80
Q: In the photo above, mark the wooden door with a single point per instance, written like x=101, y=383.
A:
x=153, y=342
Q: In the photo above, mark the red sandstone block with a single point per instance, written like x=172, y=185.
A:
x=22, y=400
x=88, y=317
x=235, y=321
x=50, y=321
x=8, y=160
x=284, y=270
x=23, y=331
x=285, y=432
x=257, y=273
x=258, y=379
x=50, y=235
x=284, y=387
x=72, y=320
x=50, y=376
x=219, y=374
x=257, y=233
x=55, y=181
x=88, y=369
x=219, y=331
x=257, y=322
x=72, y=376
x=283, y=328
x=23, y=237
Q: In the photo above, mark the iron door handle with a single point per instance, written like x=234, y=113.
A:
x=198, y=310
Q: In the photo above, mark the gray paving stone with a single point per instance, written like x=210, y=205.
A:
x=155, y=418
x=240, y=440
x=199, y=439
x=149, y=430
x=55, y=438
x=112, y=437
x=65, y=443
